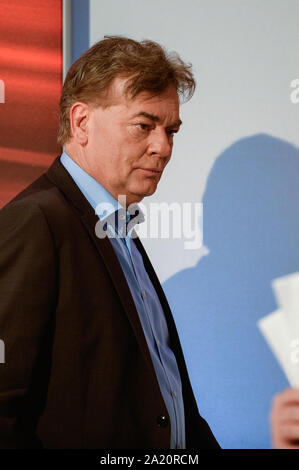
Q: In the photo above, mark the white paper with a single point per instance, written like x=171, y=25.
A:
x=283, y=344
x=281, y=328
x=286, y=290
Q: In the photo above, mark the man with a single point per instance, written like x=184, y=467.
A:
x=93, y=359
x=284, y=420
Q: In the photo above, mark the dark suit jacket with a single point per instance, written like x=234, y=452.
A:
x=77, y=372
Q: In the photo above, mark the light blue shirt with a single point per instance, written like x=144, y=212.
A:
x=114, y=217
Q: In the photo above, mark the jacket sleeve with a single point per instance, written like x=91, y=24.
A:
x=27, y=307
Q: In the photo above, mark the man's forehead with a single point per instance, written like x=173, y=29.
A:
x=117, y=94
x=118, y=86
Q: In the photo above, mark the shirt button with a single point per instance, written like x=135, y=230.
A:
x=144, y=293
x=162, y=421
x=122, y=217
x=174, y=394
x=179, y=446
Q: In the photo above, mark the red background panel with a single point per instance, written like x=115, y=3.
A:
x=31, y=69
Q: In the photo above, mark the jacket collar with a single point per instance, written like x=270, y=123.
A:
x=59, y=176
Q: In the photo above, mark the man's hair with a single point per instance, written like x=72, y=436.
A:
x=146, y=64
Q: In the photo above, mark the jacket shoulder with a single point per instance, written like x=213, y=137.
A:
x=42, y=196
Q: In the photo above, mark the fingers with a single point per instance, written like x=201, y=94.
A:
x=286, y=437
x=287, y=396
x=284, y=419
x=289, y=413
x=290, y=432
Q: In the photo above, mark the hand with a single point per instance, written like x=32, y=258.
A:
x=284, y=420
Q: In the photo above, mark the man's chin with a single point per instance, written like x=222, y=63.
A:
x=149, y=191
x=138, y=195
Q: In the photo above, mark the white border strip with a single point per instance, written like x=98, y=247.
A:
x=66, y=35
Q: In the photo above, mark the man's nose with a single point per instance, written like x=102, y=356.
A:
x=160, y=144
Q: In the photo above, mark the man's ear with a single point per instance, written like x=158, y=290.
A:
x=79, y=117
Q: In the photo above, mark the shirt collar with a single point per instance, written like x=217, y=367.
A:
x=108, y=209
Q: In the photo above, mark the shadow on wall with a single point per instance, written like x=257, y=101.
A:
x=251, y=227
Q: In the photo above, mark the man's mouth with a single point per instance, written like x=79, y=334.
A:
x=151, y=171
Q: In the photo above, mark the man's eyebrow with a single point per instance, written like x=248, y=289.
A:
x=155, y=118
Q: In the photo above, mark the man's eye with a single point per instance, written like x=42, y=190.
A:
x=171, y=132
x=143, y=127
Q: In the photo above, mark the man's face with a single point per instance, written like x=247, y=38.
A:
x=130, y=142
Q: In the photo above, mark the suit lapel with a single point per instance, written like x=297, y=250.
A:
x=58, y=175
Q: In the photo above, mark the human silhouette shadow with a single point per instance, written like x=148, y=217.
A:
x=251, y=227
